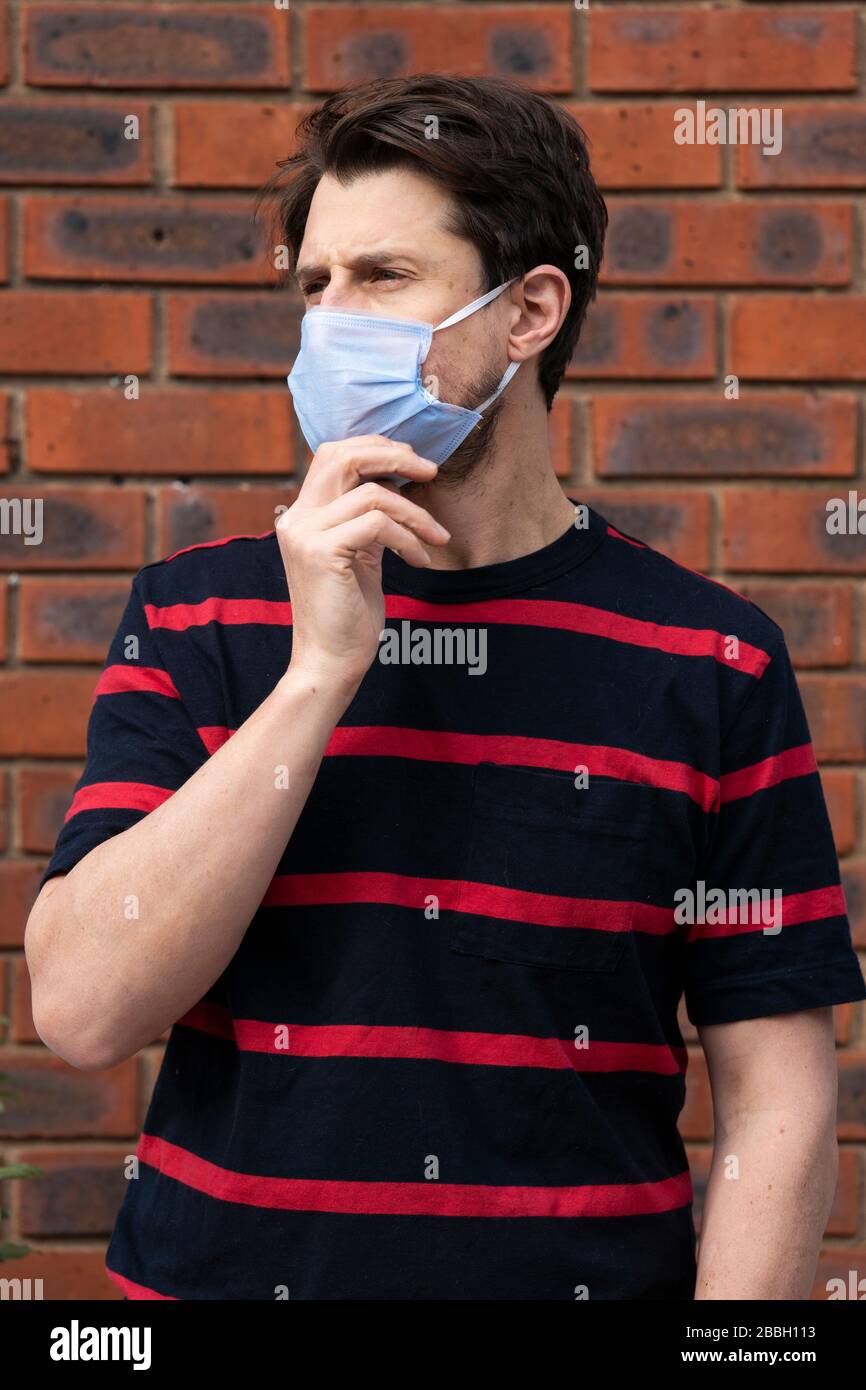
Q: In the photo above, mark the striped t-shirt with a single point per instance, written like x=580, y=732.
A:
x=445, y=1061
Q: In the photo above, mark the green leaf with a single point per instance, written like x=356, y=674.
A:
x=21, y=1170
x=14, y=1252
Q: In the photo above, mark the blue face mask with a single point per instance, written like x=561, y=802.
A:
x=361, y=374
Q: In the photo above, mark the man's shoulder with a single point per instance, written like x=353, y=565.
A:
x=228, y=567
x=652, y=585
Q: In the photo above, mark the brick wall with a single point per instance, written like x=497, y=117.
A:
x=139, y=258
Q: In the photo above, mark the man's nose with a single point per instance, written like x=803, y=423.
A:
x=341, y=292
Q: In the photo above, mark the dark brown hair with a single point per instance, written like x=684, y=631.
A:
x=514, y=163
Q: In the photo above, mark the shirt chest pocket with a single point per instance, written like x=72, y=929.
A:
x=553, y=873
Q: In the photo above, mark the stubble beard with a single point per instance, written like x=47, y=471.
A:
x=473, y=457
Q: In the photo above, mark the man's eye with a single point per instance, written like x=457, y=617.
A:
x=384, y=270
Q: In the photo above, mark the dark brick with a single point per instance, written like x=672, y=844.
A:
x=138, y=239
x=83, y=528
x=78, y=1195
x=59, y=143
x=234, y=335
x=157, y=45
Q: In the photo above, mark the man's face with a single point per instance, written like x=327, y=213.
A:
x=381, y=245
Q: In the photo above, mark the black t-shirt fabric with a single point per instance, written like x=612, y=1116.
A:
x=445, y=1061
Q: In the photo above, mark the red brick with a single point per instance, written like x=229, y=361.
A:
x=4, y=589
x=823, y=147
x=5, y=976
x=840, y=791
x=194, y=515
x=705, y=435
x=671, y=520
x=773, y=528
x=143, y=239
x=82, y=142
x=816, y=618
x=4, y=240
x=852, y=1095
x=798, y=337
x=67, y=1274
x=4, y=48
x=232, y=144
x=23, y=1028
x=79, y=1193
x=354, y=43
x=44, y=713
x=732, y=50
x=560, y=424
x=150, y=1060
x=157, y=45
x=165, y=431
x=44, y=794
x=251, y=334
x=696, y=1119
x=69, y=620
x=4, y=819
x=712, y=243
x=56, y=1099
x=19, y=881
x=83, y=528
x=7, y=439
x=79, y=333
x=647, y=335
x=844, y=1263
x=632, y=147
x=844, y=1023
x=843, y=1215
x=836, y=711
x=854, y=884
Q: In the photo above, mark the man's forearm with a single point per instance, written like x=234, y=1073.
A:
x=141, y=927
x=770, y=1191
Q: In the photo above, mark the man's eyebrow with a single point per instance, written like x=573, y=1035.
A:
x=368, y=260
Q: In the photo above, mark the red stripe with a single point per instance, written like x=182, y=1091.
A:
x=483, y=899
x=794, y=762
x=223, y=540
x=117, y=680
x=435, y=745
x=180, y=616
x=435, y=1045
x=137, y=1290
x=813, y=906
x=213, y=736
x=412, y=1198
x=580, y=617
x=118, y=796
x=546, y=613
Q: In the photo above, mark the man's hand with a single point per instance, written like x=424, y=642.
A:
x=332, y=540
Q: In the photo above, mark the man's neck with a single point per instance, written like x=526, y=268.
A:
x=512, y=505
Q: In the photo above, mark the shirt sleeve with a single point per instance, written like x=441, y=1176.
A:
x=770, y=932
x=141, y=743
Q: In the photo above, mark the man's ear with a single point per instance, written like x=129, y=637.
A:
x=543, y=298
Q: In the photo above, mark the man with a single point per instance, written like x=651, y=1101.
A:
x=419, y=880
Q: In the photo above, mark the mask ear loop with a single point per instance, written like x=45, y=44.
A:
x=471, y=309
x=475, y=305
x=507, y=375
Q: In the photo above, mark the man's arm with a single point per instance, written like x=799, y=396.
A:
x=199, y=865
x=775, y=1156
